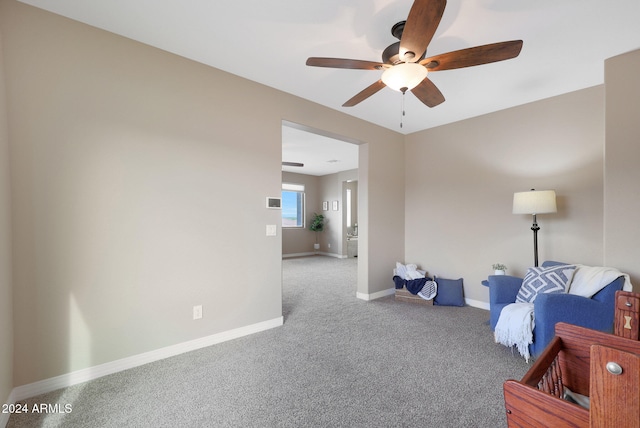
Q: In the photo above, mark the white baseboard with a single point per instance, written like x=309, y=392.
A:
x=315, y=253
x=338, y=256
x=477, y=304
x=376, y=295
x=390, y=291
x=290, y=255
x=41, y=387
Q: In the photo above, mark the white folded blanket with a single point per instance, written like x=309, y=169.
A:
x=408, y=272
x=588, y=280
x=515, y=327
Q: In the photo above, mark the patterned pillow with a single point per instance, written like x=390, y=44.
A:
x=554, y=279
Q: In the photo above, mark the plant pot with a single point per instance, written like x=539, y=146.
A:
x=316, y=246
x=498, y=272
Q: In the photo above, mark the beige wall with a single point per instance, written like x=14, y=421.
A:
x=460, y=181
x=139, y=191
x=6, y=310
x=331, y=186
x=381, y=222
x=622, y=164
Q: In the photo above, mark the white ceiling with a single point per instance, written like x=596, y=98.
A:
x=565, y=45
x=320, y=154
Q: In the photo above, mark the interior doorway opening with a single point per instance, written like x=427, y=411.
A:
x=325, y=166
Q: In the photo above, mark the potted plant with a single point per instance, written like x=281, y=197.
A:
x=317, y=225
x=499, y=268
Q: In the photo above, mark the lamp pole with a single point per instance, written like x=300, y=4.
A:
x=535, y=229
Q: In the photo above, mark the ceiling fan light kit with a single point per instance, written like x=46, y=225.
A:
x=404, y=63
x=404, y=76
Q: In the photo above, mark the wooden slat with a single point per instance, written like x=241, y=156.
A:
x=403, y=295
x=428, y=93
x=364, y=94
x=351, y=64
x=477, y=55
x=539, y=368
x=422, y=23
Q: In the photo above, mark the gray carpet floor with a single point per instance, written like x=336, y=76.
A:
x=336, y=362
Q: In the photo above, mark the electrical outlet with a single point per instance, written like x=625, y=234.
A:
x=197, y=312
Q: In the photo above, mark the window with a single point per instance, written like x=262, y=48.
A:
x=292, y=205
x=348, y=207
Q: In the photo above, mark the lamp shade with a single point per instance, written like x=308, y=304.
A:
x=405, y=76
x=534, y=202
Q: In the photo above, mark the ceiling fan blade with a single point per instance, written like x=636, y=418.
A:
x=292, y=164
x=474, y=56
x=428, y=93
x=353, y=64
x=422, y=23
x=364, y=94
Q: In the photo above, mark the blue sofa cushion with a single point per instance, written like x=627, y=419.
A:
x=553, y=279
x=449, y=292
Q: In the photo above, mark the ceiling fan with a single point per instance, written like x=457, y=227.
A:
x=404, y=63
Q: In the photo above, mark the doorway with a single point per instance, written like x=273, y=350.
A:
x=325, y=166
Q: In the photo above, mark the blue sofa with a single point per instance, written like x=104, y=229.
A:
x=596, y=313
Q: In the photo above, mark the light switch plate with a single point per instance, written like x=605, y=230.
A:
x=271, y=230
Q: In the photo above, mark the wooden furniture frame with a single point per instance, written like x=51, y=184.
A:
x=576, y=359
x=627, y=314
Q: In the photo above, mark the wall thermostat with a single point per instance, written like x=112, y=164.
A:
x=274, y=203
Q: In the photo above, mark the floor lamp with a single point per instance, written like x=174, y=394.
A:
x=534, y=202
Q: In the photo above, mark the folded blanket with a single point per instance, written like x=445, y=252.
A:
x=409, y=271
x=515, y=327
x=415, y=285
x=588, y=280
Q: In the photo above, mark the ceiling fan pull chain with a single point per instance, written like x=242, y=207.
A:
x=402, y=116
